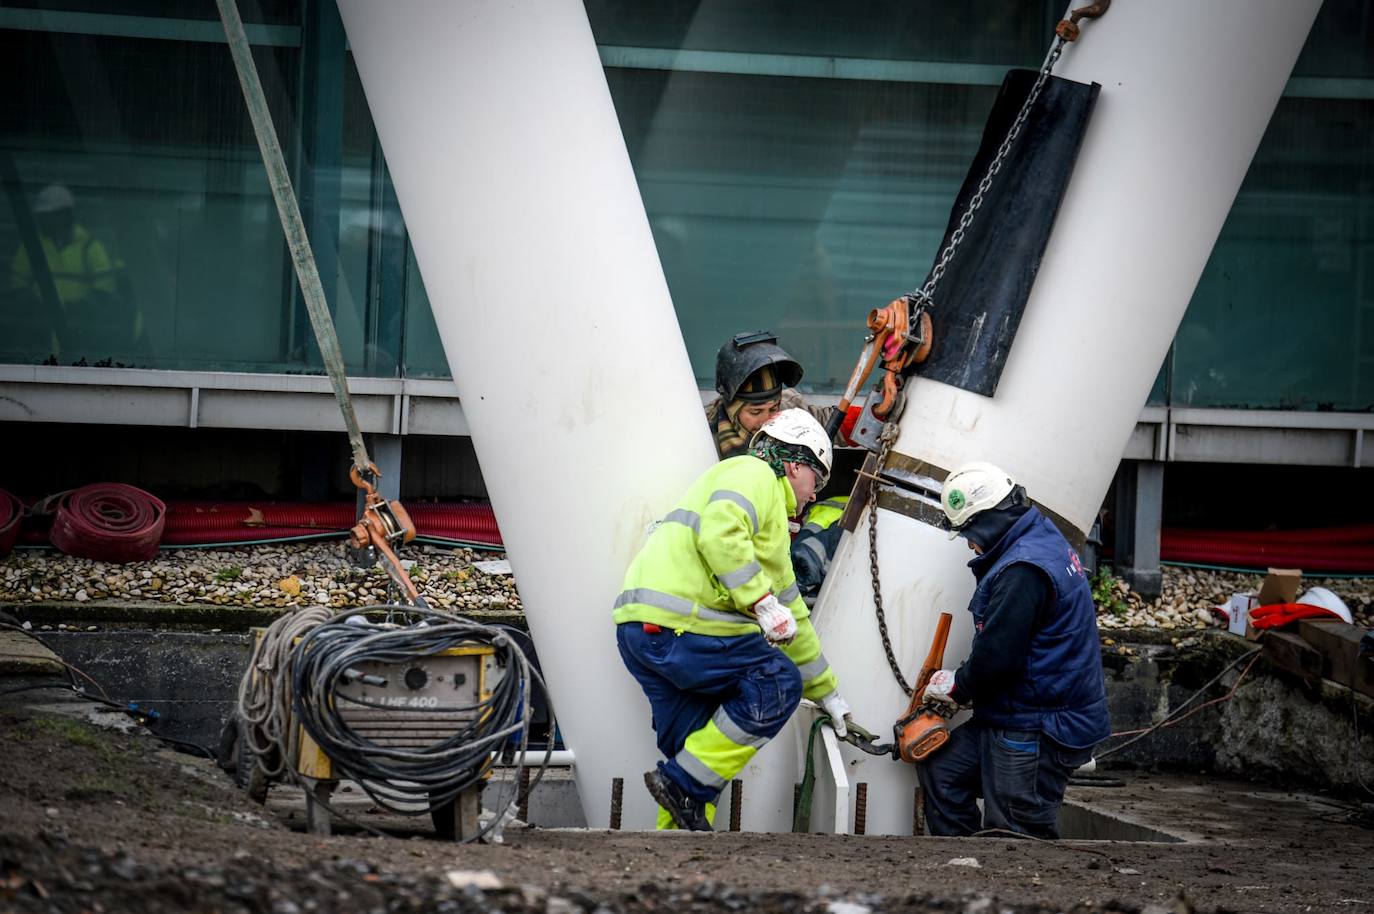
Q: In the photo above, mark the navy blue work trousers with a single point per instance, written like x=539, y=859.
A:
x=1019, y=774
x=688, y=678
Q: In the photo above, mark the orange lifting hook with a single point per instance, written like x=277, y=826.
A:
x=1068, y=28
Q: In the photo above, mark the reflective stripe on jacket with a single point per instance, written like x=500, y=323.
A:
x=709, y=560
x=824, y=514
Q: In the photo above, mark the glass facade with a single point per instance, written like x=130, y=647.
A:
x=797, y=159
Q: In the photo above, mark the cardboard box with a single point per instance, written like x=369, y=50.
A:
x=1238, y=612
x=1280, y=586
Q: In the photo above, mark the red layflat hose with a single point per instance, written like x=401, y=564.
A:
x=110, y=522
x=11, y=512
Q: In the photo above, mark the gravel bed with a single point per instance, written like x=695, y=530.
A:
x=321, y=574
x=290, y=574
x=1190, y=593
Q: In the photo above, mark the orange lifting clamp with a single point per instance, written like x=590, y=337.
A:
x=383, y=524
x=922, y=730
x=900, y=336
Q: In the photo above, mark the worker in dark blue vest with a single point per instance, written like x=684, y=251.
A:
x=1033, y=676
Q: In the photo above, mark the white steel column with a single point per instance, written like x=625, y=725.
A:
x=1187, y=91
x=529, y=230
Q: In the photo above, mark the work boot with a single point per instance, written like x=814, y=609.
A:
x=686, y=812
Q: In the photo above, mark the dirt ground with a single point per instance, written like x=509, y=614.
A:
x=94, y=819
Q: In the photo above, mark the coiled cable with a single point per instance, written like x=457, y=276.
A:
x=264, y=699
x=406, y=780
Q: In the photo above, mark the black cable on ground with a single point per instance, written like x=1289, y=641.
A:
x=403, y=780
x=143, y=716
x=64, y=686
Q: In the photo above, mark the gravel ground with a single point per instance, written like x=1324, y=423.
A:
x=262, y=576
x=1190, y=593
x=320, y=573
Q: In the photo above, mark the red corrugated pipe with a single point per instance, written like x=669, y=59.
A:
x=109, y=521
x=1346, y=550
x=191, y=523
x=1351, y=534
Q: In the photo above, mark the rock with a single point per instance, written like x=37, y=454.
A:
x=847, y=907
x=479, y=879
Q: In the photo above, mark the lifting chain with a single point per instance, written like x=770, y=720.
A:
x=923, y=299
x=887, y=439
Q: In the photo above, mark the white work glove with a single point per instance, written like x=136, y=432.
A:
x=939, y=691
x=775, y=619
x=839, y=710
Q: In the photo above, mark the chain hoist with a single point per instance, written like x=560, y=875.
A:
x=920, y=304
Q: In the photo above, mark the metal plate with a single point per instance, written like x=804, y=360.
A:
x=980, y=299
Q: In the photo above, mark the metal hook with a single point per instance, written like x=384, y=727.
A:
x=1068, y=28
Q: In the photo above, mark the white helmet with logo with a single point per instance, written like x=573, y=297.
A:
x=972, y=488
x=799, y=427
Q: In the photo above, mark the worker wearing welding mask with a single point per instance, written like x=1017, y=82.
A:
x=755, y=378
x=1034, y=673
x=712, y=626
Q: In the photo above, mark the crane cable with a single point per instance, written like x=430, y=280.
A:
x=922, y=300
x=288, y=210
x=383, y=524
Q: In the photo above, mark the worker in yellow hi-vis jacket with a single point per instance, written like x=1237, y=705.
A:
x=706, y=606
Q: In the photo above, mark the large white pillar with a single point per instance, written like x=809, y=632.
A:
x=529, y=230
x=1187, y=91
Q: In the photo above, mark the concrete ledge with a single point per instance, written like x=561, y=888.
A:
x=21, y=655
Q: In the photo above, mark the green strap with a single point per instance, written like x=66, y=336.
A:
x=801, y=811
x=292, y=225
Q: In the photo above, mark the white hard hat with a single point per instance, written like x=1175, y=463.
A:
x=52, y=198
x=799, y=427
x=972, y=488
x=1320, y=596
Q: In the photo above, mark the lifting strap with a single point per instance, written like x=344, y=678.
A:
x=383, y=524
